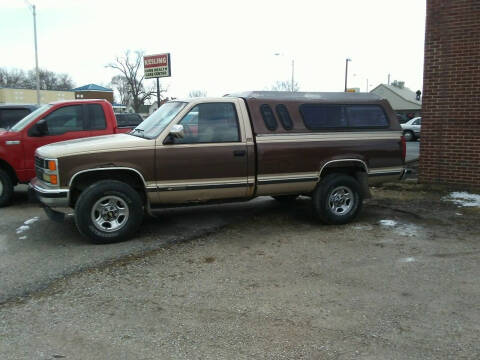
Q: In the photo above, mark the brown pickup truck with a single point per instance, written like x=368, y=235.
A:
x=328, y=146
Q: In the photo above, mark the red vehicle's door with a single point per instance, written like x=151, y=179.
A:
x=62, y=124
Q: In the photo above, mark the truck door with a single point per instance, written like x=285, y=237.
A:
x=64, y=123
x=210, y=161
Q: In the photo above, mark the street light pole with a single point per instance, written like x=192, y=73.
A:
x=34, y=10
x=346, y=72
x=292, y=88
x=293, y=71
x=36, y=52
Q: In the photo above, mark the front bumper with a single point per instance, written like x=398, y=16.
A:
x=49, y=196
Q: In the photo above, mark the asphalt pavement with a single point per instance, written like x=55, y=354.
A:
x=35, y=251
x=400, y=282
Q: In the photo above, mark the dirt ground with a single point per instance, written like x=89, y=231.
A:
x=401, y=282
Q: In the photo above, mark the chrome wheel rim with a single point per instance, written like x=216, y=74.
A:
x=341, y=200
x=1, y=187
x=110, y=213
x=408, y=136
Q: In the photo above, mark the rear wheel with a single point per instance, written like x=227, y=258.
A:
x=337, y=199
x=6, y=188
x=108, y=211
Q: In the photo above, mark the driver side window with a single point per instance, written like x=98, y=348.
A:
x=65, y=119
x=210, y=123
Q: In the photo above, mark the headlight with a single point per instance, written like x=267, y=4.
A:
x=47, y=170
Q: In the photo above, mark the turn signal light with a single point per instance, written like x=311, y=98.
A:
x=53, y=179
x=52, y=165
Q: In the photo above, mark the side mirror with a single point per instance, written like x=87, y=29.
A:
x=39, y=129
x=177, y=131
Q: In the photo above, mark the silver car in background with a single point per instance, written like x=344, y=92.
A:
x=411, y=129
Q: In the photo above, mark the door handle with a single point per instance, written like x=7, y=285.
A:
x=239, y=152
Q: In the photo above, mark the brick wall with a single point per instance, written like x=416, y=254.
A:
x=450, y=143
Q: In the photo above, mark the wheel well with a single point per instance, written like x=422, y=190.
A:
x=84, y=180
x=6, y=166
x=343, y=167
x=356, y=169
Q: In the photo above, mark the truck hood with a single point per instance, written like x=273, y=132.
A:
x=104, y=143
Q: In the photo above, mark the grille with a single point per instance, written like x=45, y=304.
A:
x=39, y=162
x=39, y=167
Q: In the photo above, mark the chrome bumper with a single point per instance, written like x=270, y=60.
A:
x=51, y=197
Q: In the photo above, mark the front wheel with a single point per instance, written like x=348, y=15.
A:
x=409, y=135
x=108, y=211
x=6, y=188
x=337, y=199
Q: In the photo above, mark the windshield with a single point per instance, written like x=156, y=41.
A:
x=29, y=118
x=152, y=126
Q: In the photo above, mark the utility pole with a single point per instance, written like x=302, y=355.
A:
x=346, y=72
x=293, y=70
x=388, y=79
x=34, y=10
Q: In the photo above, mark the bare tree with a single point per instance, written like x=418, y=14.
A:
x=130, y=66
x=285, y=86
x=121, y=86
x=13, y=78
x=48, y=80
x=197, y=93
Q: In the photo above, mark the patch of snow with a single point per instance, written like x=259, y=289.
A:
x=458, y=214
x=407, y=260
x=22, y=238
x=31, y=221
x=463, y=199
x=22, y=228
x=388, y=222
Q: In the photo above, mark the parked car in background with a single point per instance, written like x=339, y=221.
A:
x=128, y=119
x=58, y=121
x=329, y=146
x=11, y=114
x=411, y=129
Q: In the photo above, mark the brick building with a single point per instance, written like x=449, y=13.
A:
x=450, y=144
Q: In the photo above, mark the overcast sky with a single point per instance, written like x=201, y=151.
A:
x=223, y=46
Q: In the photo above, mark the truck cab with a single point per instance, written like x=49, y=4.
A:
x=50, y=123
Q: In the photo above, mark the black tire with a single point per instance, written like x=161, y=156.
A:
x=324, y=204
x=409, y=135
x=121, y=197
x=285, y=199
x=6, y=188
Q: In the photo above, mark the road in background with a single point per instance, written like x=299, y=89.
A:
x=413, y=151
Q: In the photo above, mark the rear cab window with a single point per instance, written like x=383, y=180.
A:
x=96, y=117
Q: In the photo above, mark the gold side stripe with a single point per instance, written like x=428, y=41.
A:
x=344, y=136
x=387, y=170
x=225, y=181
x=287, y=176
